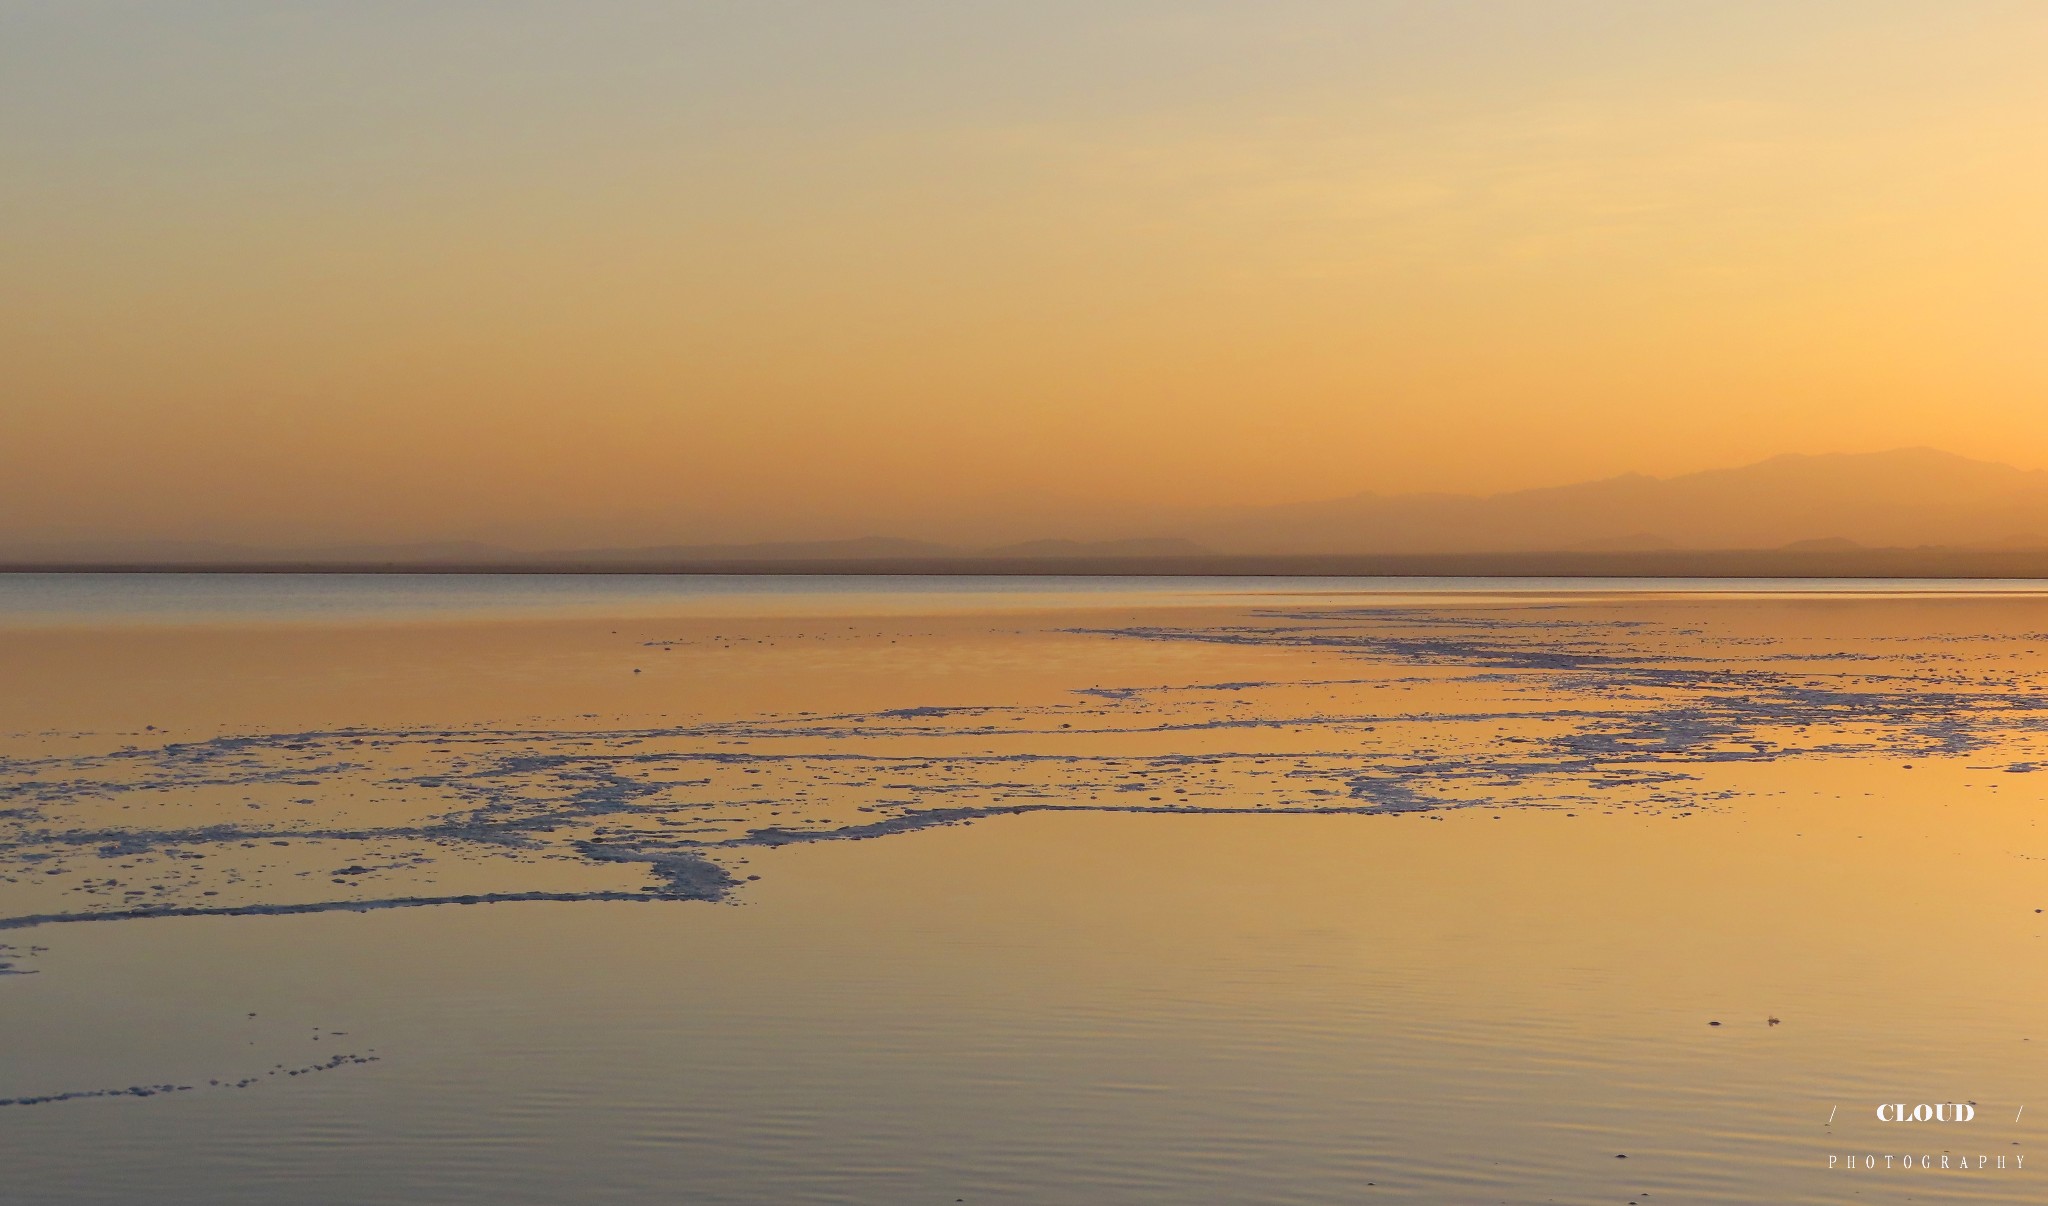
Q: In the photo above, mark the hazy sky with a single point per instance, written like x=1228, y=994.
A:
x=626, y=271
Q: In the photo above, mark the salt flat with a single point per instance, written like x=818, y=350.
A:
x=1148, y=892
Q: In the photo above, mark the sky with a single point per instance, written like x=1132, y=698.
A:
x=617, y=272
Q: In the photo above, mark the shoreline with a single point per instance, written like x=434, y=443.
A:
x=1927, y=563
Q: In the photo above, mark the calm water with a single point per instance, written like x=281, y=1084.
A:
x=631, y=890
x=44, y=599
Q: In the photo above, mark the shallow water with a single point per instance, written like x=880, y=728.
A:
x=1125, y=891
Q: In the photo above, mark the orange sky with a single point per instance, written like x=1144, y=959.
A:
x=628, y=272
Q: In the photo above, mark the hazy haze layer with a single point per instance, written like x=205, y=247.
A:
x=635, y=273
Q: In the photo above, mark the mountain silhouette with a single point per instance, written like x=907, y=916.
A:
x=1827, y=505
x=1908, y=498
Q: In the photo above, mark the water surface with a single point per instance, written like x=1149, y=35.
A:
x=335, y=889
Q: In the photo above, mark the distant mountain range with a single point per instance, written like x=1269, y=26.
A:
x=1909, y=498
x=472, y=553
x=1823, y=506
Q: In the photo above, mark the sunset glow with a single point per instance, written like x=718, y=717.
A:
x=636, y=272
